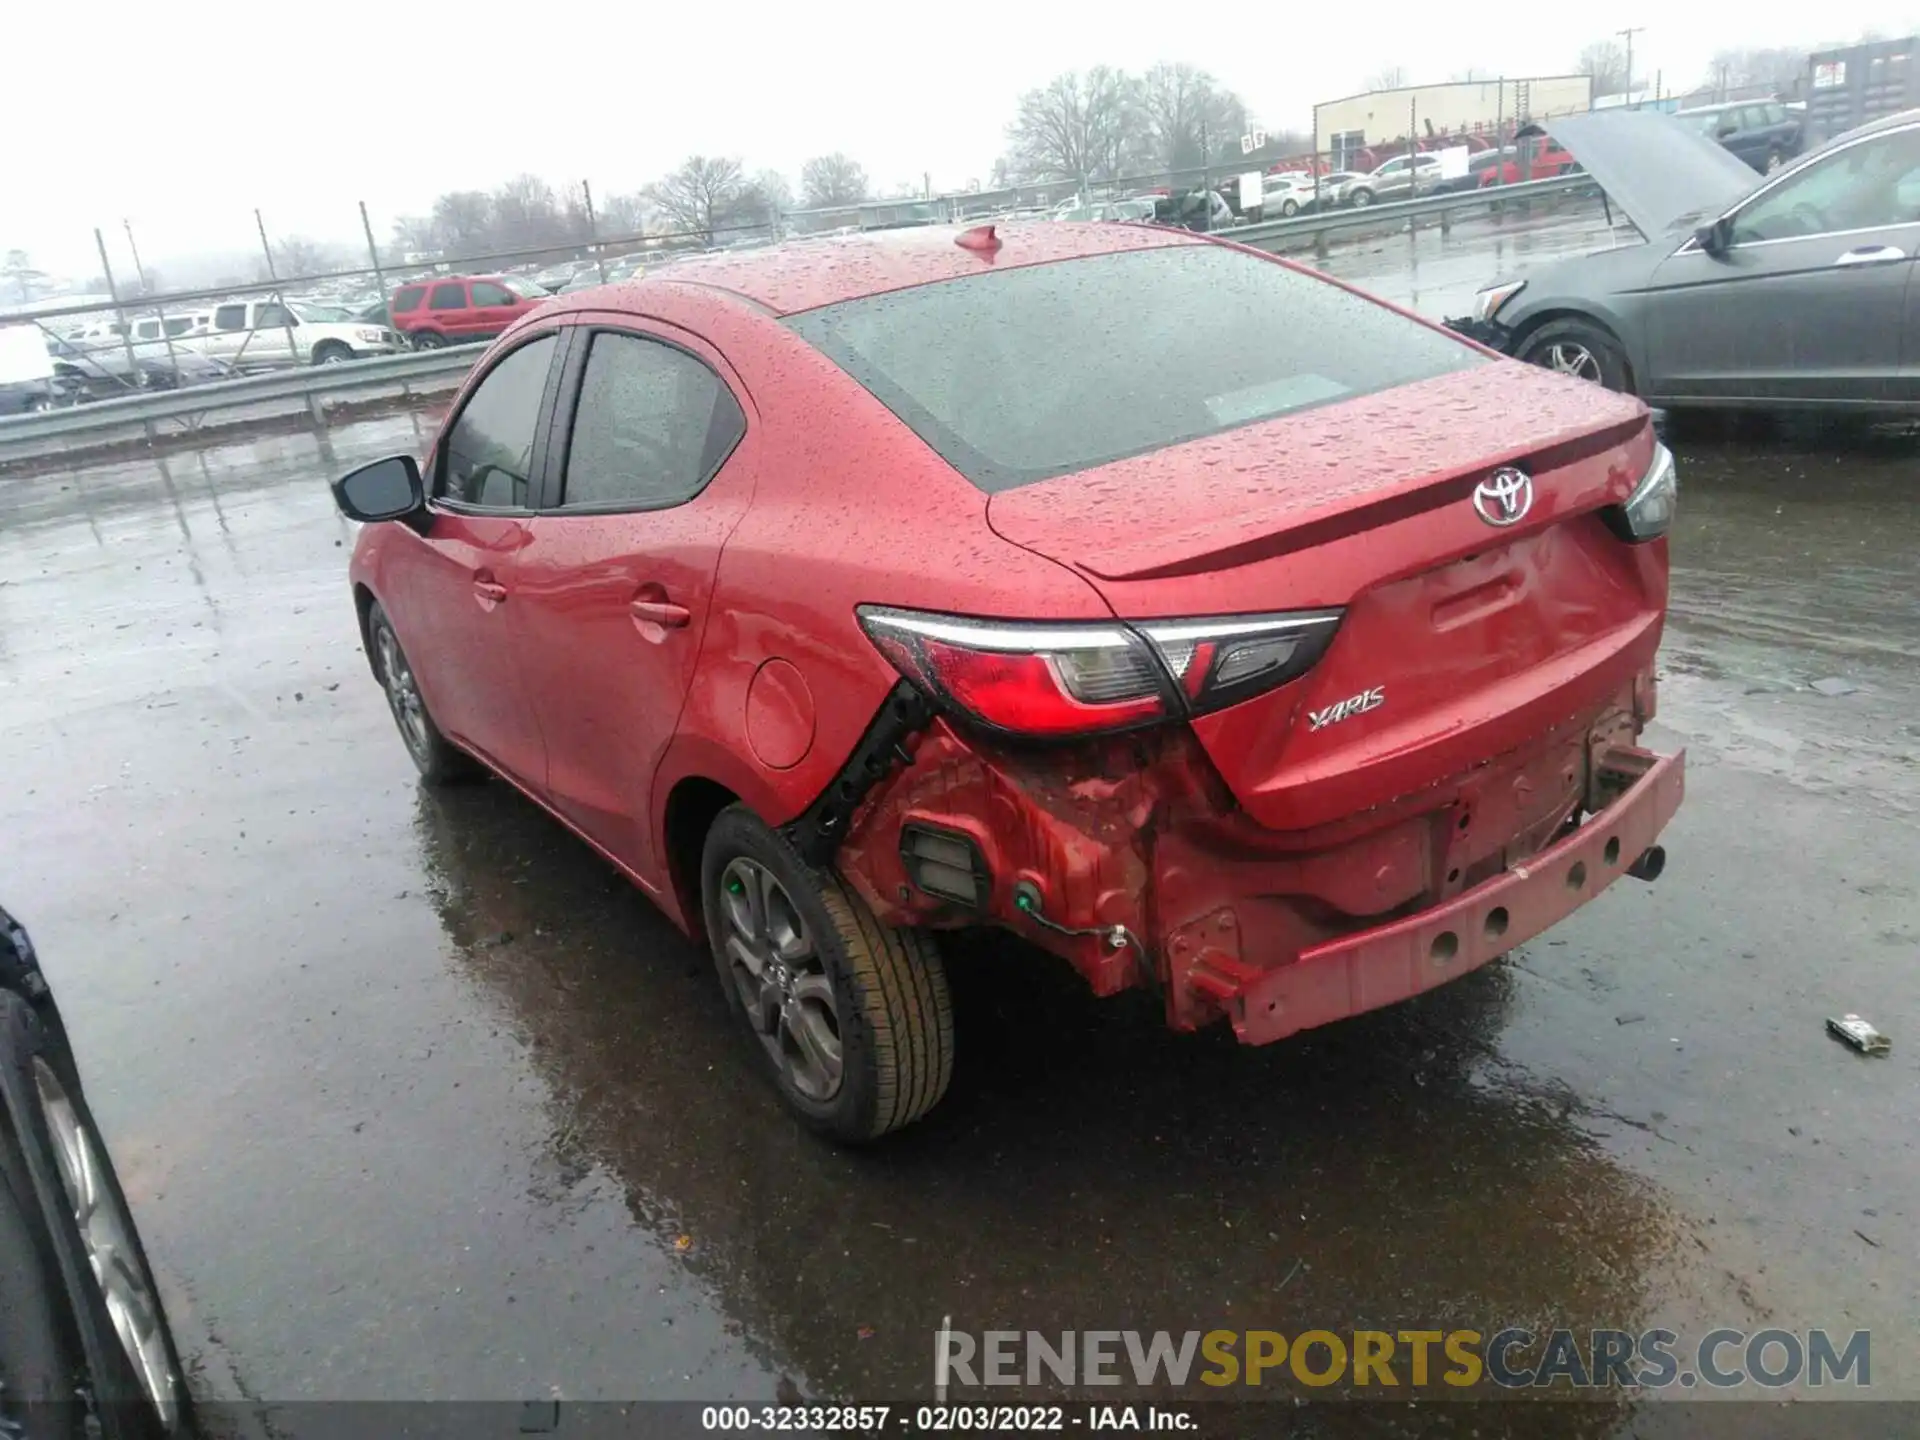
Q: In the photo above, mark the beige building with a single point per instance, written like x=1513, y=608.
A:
x=1466, y=107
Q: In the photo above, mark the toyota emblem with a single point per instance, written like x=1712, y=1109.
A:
x=1504, y=497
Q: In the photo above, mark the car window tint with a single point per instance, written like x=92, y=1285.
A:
x=1776, y=113
x=179, y=326
x=408, y=298
x=489, y=451
x=147, y=330
x=1865, y=186
x=651, y=426
x=448, y=297
x=1019, y=374
x=487, y=293
x=272, y=316
x=230, y=317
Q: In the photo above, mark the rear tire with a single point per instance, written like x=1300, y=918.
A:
x=1579, y=348
x=438, y=759
x=850, y=1018
x=1289, y=209
x=428, y=340
x=87, y=1298
x=1360, y=199
x=331, y=352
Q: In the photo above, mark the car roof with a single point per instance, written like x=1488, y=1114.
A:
x=806, y=274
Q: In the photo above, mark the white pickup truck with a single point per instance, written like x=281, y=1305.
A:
x=273, y=334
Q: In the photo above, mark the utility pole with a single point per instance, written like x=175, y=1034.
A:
x=1628, y=35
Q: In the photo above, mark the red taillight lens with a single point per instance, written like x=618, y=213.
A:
x=1043, y=680
x=1080, y=679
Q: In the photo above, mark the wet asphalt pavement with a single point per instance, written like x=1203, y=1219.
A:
x=415, y=1098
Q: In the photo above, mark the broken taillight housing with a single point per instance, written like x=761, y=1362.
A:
x=1043, y=679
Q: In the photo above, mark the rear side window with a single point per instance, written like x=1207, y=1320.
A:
x=408, y=298
x=489, y=450
x=1021, y=374
x=448, y=297
x=651, y=427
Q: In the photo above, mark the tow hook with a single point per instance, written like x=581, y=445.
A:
x=1026, y=899
x=1651, y=862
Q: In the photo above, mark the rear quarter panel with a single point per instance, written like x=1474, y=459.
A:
x=850, y=508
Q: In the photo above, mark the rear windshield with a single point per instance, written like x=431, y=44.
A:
x=1022, y=374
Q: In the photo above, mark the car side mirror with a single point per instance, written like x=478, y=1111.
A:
x=387, y=489
x=1712, y=238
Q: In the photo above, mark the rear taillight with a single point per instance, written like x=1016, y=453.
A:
x=1080, y=679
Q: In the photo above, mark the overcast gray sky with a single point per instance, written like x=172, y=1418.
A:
x=184, y=117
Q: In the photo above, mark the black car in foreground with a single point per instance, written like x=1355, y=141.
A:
x=84, y=1346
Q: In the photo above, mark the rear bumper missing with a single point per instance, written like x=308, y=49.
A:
x=1391, y=962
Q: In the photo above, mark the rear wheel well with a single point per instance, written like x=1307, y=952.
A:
x=1536, y=322
x=691, y=810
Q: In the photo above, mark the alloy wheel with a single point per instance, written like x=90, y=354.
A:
x=107, y=1238
x=1573, y=359
x=403, y=693
x=781, y=979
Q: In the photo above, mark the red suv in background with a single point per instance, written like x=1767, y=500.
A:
x=457, y=308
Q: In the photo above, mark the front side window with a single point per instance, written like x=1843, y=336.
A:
x=1020, y=374
x=651, y=427
x=448, y=297
x=485, y=292
x=273, y=317
x=408, y=298
x=147, y=330
x=487, y=458
x=230, y=317
x=1866, y=186
x=179, y=326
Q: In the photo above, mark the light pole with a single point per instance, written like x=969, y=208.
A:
x=1628, y=35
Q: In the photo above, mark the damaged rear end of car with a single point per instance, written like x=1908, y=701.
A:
x=1383, y=619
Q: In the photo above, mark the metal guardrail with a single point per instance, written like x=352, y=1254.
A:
x=42, y=431
x=1389, y=216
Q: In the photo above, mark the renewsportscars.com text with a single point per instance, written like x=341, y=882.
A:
x=1510, y=1358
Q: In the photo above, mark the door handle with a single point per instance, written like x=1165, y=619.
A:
x=661, y=612
x=491, y=590
x=1872, y=255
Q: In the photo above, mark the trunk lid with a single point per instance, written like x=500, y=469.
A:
x=1459, y=641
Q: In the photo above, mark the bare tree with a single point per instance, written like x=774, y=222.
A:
x=1389, y=77
x=1189, y=118
x=18, y=268
x=622, y=215
x=295, y=255
x=526, y=215
x=1078, y=126
x=700, y=196
x=1606, y=62
x=462, y=220
x=829, y=180
x=412, y=235
x=770, y=194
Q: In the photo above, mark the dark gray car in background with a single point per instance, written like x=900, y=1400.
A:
x=1793, y=292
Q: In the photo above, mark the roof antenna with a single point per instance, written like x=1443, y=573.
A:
x=979, y=239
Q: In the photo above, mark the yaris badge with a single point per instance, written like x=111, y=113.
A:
x=1504, y=497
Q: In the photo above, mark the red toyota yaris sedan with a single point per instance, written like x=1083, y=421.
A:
x=1197, y=618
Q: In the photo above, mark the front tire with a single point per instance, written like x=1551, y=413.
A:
x=1360, y=199
x=438, y=759
x=1581, y=349
x=850, y=1018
